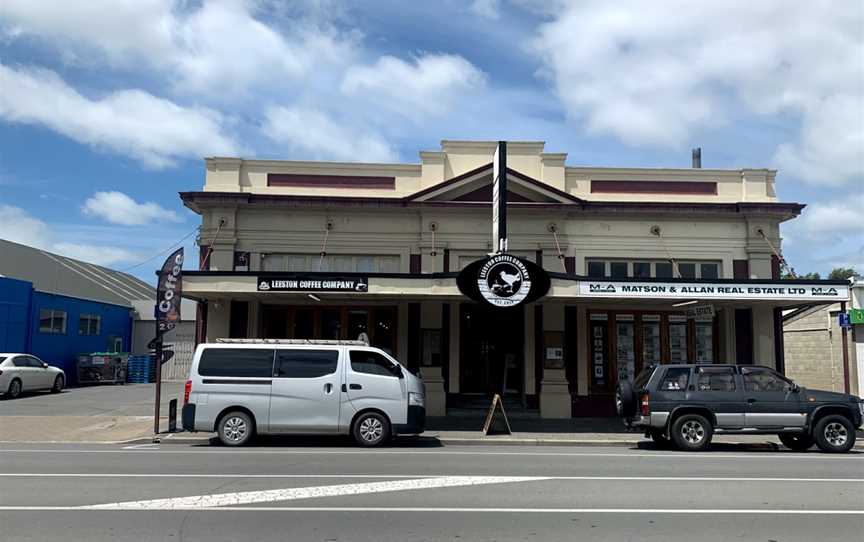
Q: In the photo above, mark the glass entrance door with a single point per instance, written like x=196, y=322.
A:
x=491, y=344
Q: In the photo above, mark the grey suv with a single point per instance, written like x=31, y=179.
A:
x=686, y=405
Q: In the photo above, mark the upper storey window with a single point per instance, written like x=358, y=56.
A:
x=340, y=263
x=641, y=269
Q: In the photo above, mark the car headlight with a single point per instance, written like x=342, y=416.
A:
x=416, y=399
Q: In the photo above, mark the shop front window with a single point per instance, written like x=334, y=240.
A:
x=651, y=354
x=705, y=341
x=687, y=270
x=358, y=325
x=384, y=330
x=709, y=270
x=642, y=270
x=678, y=340
x=625, y=346
x=663, y=270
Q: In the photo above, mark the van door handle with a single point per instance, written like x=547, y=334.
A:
x=344, y=388
x=355, y=386
x=328, y=388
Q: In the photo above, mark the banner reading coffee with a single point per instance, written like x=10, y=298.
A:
x=169, y=291
x=503, y=280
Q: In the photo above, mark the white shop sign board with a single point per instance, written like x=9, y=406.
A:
x=703, y=290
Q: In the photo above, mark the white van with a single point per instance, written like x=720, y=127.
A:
x=245, y=387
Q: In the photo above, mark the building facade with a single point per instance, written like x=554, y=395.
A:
x=630, y=254
x=56, y=307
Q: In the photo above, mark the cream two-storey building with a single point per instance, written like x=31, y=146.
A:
x=646, y=266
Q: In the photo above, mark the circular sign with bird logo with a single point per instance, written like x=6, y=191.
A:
x=503, y=280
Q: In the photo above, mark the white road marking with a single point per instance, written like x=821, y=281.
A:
x=149, y=446
x=289, y=494
x=413, y=451
x=401, y=476
x=659, y=511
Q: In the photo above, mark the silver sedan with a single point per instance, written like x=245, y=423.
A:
x=25, y=372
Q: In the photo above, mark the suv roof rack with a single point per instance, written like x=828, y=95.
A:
x=293, y=341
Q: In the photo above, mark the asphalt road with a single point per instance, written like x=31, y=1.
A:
x=410, y=492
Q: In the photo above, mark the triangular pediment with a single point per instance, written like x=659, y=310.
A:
x=476, y=186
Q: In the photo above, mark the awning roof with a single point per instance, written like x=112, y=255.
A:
x=442, y=286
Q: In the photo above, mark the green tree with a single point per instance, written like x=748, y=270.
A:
x=844, y=273
x=807, y=276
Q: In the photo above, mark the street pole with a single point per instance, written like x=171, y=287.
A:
x=157, y=359
x=845, y=342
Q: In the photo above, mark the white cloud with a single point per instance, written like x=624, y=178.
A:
x=317, y=136
x=134, y=123
x=118, y=208
x=488, y=9
x=837, y=219
x=220, y=47
x=21, y=227
x=428, y=86
x=652, y=73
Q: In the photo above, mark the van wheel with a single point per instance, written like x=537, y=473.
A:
x=692, y=432
x=235, y=428
x=371, y=429
x=800, y=442
x=834, y=434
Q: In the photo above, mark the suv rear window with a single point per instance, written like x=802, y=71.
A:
x=237, y=362
x=675, y=379
x=306, y=363
x=716, y=379
x=643, y=377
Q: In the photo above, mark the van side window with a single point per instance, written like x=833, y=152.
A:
x=306, y=363
x=372, y=363
x=238, y=362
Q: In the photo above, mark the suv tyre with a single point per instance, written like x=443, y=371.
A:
x=834, y=434
x=625, y=400
x=235, y=428
x=692, y=432
x=800, y=442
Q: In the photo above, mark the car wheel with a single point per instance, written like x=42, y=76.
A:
x=625, y=400
x=834, y=434
x=371, y=429
x=58, y=384
x=14, y=389
x=660, y=440
x=800, y=442
x=235, y=429
x=692, y=432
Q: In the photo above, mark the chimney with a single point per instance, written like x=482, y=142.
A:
x=697, y=158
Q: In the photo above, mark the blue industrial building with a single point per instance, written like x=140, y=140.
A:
x=56, y=308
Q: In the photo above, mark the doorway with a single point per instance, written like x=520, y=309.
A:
x=491, y=348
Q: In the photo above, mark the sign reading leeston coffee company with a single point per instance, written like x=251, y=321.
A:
x=308, y=284
x=696, y=290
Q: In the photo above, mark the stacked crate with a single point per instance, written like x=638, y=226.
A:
x=140, y=369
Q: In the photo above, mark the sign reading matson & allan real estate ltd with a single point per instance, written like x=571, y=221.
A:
x=703, y=290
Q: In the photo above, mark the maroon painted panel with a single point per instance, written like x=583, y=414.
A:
x=330, y=181
x=416, y=263
x=741, y=269
x=570, y=264
x=775, y=267
x=654, y=187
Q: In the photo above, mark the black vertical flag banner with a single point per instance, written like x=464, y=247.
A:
x=499, y=198
x=168, y=294
x=169, y=291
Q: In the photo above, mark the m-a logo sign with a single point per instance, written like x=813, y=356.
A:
x=607, y=289
x=503, y=281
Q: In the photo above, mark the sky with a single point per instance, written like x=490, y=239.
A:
x=108, y=107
